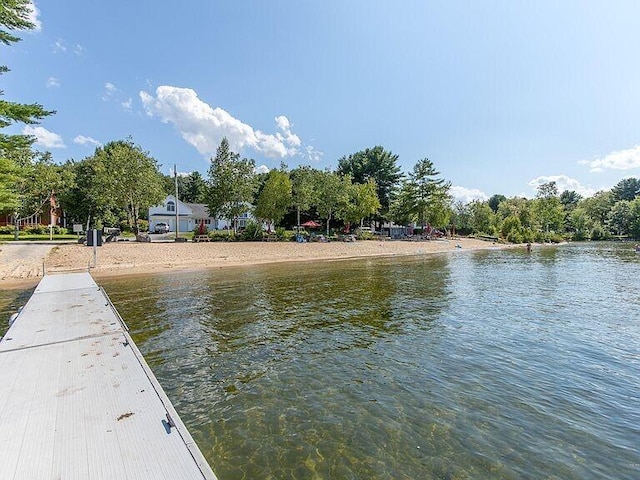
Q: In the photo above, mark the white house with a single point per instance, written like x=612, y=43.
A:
x=190, y=215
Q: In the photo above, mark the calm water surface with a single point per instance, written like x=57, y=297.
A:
x=492, y=365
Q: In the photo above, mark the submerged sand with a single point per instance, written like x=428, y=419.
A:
x=126, y=258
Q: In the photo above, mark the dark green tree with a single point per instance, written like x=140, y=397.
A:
x=597, y=207
x=619, y=217
x=14, y=15
x=378, y=164
x=626, y=189
x=231, y=184
x=427, y=193
x=495, y=201
x=119, y=179
x=194, y=189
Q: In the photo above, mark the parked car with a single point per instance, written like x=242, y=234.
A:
x=161, y=227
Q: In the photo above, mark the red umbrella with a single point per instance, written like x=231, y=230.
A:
x=310, y=223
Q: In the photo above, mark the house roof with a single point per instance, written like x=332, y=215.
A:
x=198, y=210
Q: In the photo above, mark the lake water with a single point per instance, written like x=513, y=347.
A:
x=493, y=364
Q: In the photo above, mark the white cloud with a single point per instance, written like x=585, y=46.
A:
x=82, y=140
x=34, y=13
x=262, y=169
x=563, y=183
x=78, y=49
x=204, y=126
x=59, y=46
x=112, y=93
x=110, y=87
x=618, y=160
x=467, y=195
x=52, y=82
x=44, y=137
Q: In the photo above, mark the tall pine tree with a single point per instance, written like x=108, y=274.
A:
x=14, y=15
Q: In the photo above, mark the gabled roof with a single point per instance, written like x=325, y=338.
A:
x=198, y=210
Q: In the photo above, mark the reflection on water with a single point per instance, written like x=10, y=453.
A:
x=494, y=364
x=10, y=302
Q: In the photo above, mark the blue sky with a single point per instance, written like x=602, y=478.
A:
x=500, y=95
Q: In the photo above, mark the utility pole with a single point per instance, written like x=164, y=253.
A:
x=175, y=175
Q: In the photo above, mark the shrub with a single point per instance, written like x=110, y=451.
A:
x=365, y=235
x=253, y=231
x=282, y=234
x=598, y=233
x=36, y=230
x=580, y=235
x=220, y=236
x=514, y=236
x=7, y=229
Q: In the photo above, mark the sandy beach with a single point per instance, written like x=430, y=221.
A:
x=127, y=258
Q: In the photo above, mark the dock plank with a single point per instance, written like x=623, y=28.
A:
x=78, y=401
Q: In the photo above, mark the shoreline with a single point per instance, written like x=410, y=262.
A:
x=125, y=259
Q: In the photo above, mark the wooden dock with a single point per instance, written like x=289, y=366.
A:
x=77, y=399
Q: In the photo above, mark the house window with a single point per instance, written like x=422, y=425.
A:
x=207, y=221
x=171, y=207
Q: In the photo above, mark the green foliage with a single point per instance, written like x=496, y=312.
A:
x=14, y=15
x=365, y=235
x=512, y=228
x=626, y=189
x=119, y=181
x=598, y=232
x=221, y=236
x=303, y=189
x=634, y=218
x=482, y=217
x=275, y=197
x=495, y=201
x=548, y=208
x=253, y=231
x=143, y=226
x=361, y=202
x=619, y=217
x=231, y=184
x=597, y=207
x=39, y=230
x=378, y=164
x=283, y=235
x=333, y=194
x=194, y=189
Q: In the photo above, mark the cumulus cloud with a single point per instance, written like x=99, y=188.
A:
x=467, y=195
x=563, y=183
x=204, y=126
x=262, y=169
x=34, y=15
x=44, y=137
x=82, y=140
x=127, y=104
x=78, y=49
x=619, y=160
x=53, y=82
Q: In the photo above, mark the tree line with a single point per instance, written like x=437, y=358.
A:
x=555, y=216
